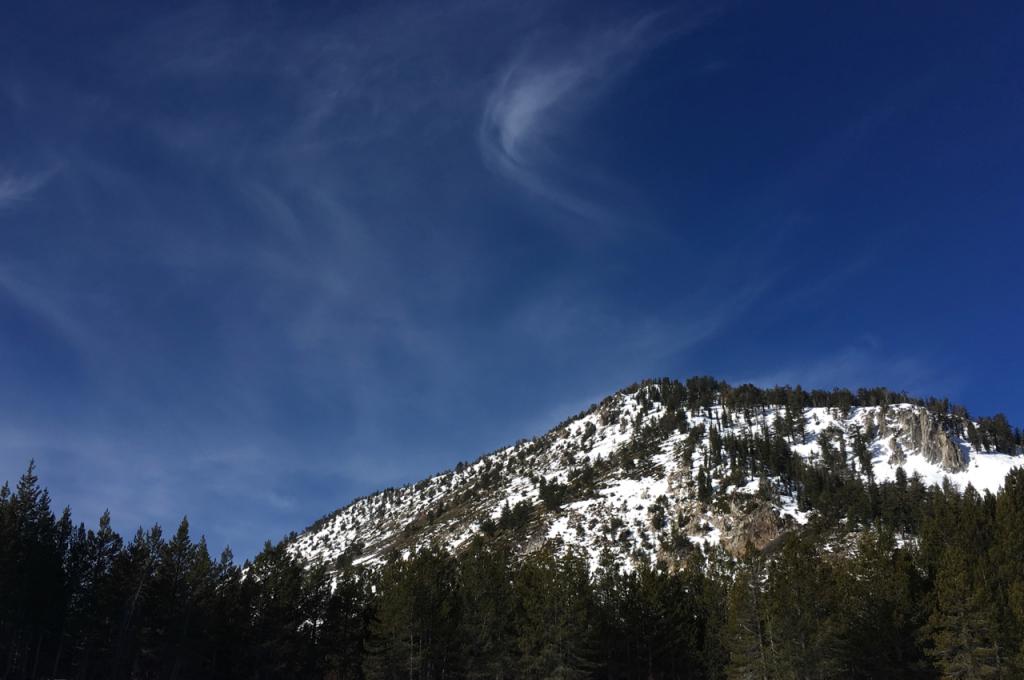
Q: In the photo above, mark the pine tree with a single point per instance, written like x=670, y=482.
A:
x=878, y=610
x=1007, y=548
x=277, y=585
x=961, y=628
x=346, y=620
x=704, y=488
x=555, y=635
x=801, y=613
x=487, y=628
x=32, y=573
x=745, y=635
x=414, y=632
x=93, y=606
x=863, y=455
x=796, y=423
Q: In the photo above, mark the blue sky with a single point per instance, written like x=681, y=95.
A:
x=259, y=258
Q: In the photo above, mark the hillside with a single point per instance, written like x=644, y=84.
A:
x=672, y=531
x=662, y=466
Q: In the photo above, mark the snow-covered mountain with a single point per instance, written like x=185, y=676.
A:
x=661, y=466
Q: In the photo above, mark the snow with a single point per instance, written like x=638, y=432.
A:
x=788, y=507
x=985, y=471
x=618, y=516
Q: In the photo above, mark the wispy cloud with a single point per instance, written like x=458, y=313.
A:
x=143, y=480
x=44, y=305
x=357, y=77
x=15, y=188
x=537, y=95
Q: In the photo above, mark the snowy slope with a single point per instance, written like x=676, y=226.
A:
x=629, y=491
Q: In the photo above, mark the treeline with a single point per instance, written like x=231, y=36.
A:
x=849, y=599
x=699, y=394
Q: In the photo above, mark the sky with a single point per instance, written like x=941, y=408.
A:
x=260, y=258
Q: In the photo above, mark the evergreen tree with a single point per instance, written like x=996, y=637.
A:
x=650, y=624
x=415, y=631
x=802, y=626
x=554, y=599
x=1008, y=546
x=961, y=627
x=878, y=610
x=796, y=423
x=745, y=634
x=704, y=488
x=487, y=627
x=347, y=618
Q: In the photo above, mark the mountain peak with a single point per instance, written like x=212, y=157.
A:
x=663, y=468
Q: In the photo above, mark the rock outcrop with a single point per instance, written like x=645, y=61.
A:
x=899, y=456
x=922, y=432
x=750, y=527
x=918, y=431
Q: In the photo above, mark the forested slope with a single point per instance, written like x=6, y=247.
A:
x=794, y=541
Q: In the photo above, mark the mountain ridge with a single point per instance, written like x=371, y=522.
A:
x=661, y=468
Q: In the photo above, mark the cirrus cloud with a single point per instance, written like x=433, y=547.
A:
x=536, y=97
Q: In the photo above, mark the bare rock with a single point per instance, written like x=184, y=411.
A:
x=755, y=528
x=899, y=456
x=920, y=431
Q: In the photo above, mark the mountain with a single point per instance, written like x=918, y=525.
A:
x=662, y=467
x=751, y=533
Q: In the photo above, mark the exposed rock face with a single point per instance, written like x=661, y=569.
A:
x=750, y=528
x=881, y=425
x=899, y=456
x=920, y=431
x=917, y=430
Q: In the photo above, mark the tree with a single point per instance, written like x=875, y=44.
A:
x=801, y=613
x=555, y=634
x=651, y=624
x=704, y=489
x=745, y=629
x=863, y=455
x=346, y=619
x=487, y=627
x=796, y=423
x=282, y=612
x=878, y=611
x=961, y=627
x=31, y=577
x=94, y=603
x=414, y=632
x=1008, y=546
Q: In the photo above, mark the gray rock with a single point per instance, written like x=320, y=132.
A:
x=919, y=431
x=899, y=456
